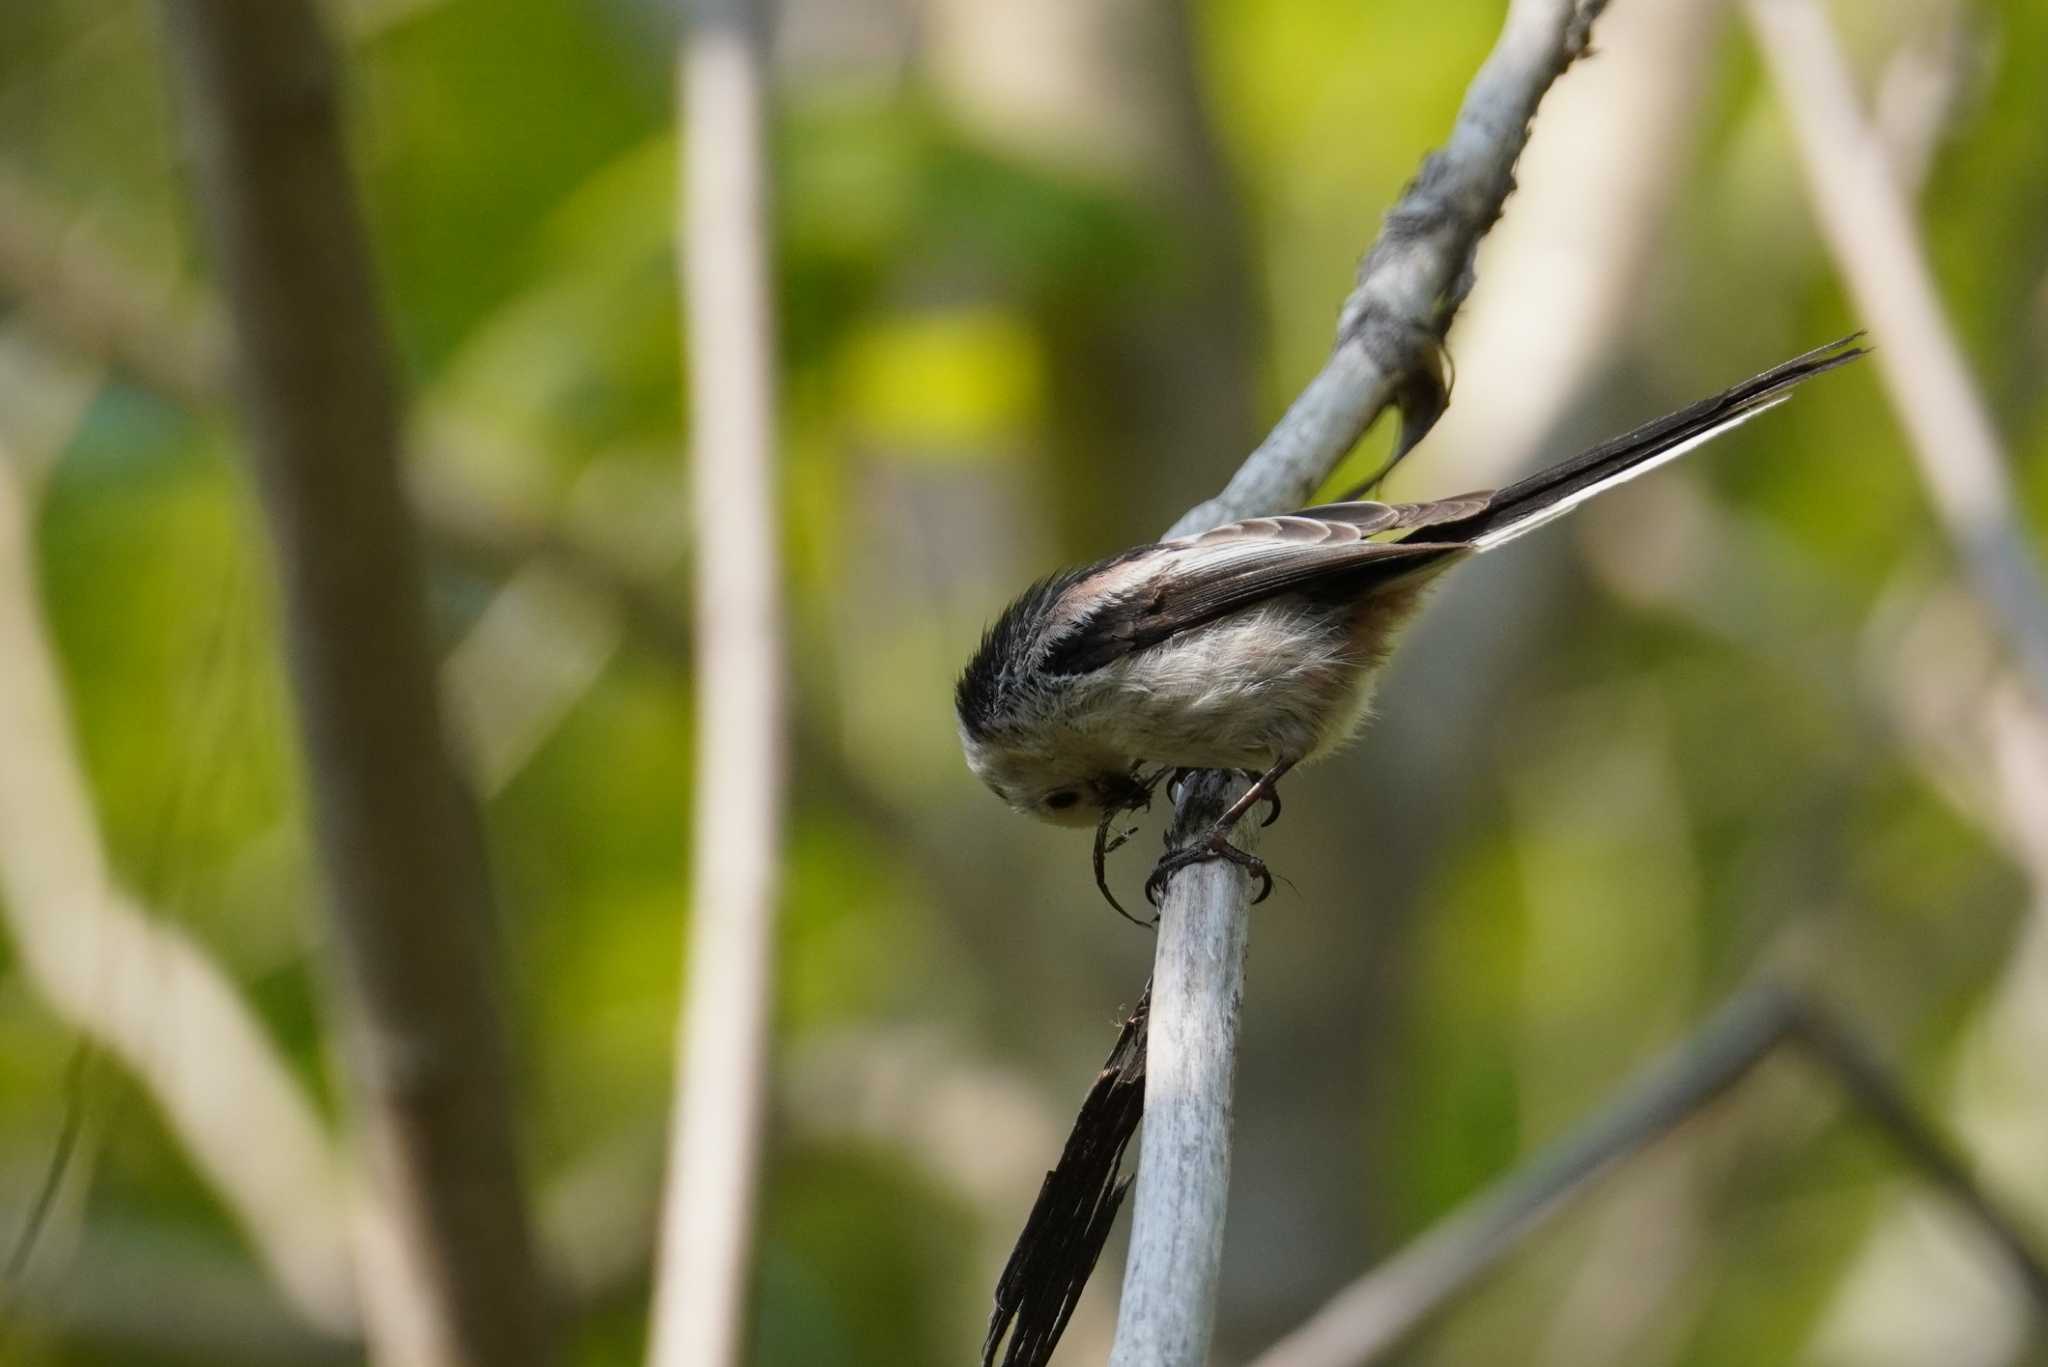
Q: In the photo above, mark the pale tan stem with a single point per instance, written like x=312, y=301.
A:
x=1868, y=224
x=707, y=1234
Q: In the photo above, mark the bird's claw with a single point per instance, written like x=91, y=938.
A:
x=1270, y=796
x=1273, y=812
x=1215, y=847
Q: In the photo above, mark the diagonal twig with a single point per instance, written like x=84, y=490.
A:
x=1868, y=224
x=1385, y=1308
x=1390, y=334
x=1839, y=1050
x=1417, y=273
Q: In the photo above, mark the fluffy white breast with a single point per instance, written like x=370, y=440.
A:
x=1278, y=681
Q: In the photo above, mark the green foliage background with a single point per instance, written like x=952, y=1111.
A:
x=1005, y=348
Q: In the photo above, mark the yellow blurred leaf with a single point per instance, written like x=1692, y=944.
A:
x=953, y=383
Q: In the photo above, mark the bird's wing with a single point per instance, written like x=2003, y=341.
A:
x=1146, y=597
x=1105, y=612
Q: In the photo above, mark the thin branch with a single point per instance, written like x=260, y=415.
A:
x=1595, y=193
x=408, y=889
x=1840, y=1051
x=1869, y=227
x=1385, y=1308
x=1418, y=271
x=1168, y=1306
x=22, y=1250
x=707, y=1237
x=1390, y=332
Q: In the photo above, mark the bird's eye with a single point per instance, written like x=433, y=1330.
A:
x=1062, y=800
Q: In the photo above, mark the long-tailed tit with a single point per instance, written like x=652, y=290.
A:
x=1255, y=645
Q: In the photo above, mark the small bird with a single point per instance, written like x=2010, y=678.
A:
x=1255, y=646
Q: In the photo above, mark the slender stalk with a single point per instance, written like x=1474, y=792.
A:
x=1169, y=1300
x=1384, y=1309
x=1839, y=1050
x=715, y=1138
x=1389, y=332
x=407, y=886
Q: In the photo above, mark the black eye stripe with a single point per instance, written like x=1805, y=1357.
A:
x=1059, y=802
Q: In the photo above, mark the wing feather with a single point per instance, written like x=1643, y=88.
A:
x=1176, y=586
x=1398, y=517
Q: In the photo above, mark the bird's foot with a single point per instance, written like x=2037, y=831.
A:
x=1217, y=846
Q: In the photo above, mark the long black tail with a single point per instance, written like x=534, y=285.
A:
x=1524, y=506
